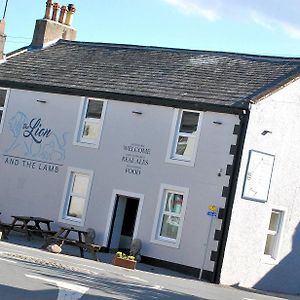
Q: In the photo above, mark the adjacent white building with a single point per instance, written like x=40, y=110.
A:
x=193, y=152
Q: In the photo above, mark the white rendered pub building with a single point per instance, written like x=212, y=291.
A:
x=195, y=153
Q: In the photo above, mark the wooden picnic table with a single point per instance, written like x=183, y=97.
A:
x=28, y=225
x=79, y=239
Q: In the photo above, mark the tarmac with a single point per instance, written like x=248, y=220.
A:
x=36, y=243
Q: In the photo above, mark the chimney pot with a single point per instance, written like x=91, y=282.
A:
x=48, y=9
x=56, y=7
x=70, y=13
x=63, y=11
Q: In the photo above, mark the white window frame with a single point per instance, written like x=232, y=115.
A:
x=274, y=257
x=78, y=140
x=63, y=217
x=4, y=108
x=172, y=157
x=160, y=211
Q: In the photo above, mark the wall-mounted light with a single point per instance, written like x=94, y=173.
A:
x=41, y=101
x=220, y=172
x=266, y=132
x=137, y=112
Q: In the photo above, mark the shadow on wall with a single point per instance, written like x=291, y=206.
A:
x=285, y=276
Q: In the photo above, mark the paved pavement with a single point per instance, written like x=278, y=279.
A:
x=30, y=273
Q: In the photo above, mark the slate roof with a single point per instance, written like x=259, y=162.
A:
x=172, y=77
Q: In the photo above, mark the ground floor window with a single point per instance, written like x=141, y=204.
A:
x=76, y=196
x=274, y=233
x=170, y=215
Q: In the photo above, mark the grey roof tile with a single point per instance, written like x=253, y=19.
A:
x=212, y=78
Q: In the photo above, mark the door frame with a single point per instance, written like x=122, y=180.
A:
x=109, y=224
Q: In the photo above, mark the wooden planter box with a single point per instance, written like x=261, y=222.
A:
x=125, y=263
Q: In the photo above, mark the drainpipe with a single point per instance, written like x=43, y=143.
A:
x=231, y=195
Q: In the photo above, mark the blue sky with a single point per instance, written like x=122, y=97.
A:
x=268, y=27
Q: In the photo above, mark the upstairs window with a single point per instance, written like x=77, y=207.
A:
x=91, y=122
x=3, y=96
x=274, y=233
x=185, y=135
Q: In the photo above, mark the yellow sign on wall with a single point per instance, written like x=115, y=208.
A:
x=212, y=208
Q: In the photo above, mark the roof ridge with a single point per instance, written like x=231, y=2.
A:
x=169, y=49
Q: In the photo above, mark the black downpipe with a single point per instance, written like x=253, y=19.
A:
x=231, y=195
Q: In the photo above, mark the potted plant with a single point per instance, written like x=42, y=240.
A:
x=122, y=260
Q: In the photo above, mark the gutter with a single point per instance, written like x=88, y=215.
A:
x=231, y=195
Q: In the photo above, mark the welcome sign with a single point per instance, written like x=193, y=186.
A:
x=135, y=156
x=34, y=145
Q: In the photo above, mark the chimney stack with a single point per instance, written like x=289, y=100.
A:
x=2, y=38
x=54, y=26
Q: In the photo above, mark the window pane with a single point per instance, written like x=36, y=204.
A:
x=90, y=130
x=94, y=109
x=80, y=184
x=274, y=222
x=189, y=122
x=174, y=203
x=185, y=146
x=76, y=206
x=169, y=228
x=2, y=97
x=270, y=244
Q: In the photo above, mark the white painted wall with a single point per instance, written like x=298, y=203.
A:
x=26, y=191
x=244, y=261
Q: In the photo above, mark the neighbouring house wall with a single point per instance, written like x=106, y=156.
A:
x=36, y=190
x=244, y=262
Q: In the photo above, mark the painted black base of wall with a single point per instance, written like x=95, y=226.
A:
x=194, y=272
x=207, y=276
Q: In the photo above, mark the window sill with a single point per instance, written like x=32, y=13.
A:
x=165, y=243
x=180, y=162
x=72, y=221
x=87, y=145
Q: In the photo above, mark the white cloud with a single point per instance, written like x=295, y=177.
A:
x=260, y=20
x=272, y=15
x=191, y=7
x=292, y=31
x=272, y=24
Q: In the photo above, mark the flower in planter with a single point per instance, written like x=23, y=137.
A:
x=119, y=254
x=122, y=255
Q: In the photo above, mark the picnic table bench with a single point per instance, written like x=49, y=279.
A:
x=27, y=225
x=81, y=240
